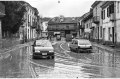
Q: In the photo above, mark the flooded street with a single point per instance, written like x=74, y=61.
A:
x=98, y=64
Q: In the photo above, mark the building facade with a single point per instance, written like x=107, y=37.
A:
x=2, y=14
x=108, y=24
x=28, y=29
x=39, y=28
x=97, y=20
x=87, y=21
x=64, y=25
x=111, y=21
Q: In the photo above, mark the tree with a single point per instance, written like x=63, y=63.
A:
x=13, y=19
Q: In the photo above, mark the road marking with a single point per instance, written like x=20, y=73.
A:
x=65, y=50
x=69, y=51
x=32, y=72
x=64, y=68
x=10, y=58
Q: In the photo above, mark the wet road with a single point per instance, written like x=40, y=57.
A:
x=67, y=64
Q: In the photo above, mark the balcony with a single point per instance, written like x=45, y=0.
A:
x=112, y=17
x=96, y=19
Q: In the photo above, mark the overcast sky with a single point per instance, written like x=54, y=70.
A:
x=68, y=8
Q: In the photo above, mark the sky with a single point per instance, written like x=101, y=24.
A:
x=67, y=8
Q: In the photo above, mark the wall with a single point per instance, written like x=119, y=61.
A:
x=30, y=17
x=88, y=25
x=97, y=12
x=118, y=20
x=107, y=24
x=0, y=30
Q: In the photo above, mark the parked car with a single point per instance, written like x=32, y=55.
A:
x=43, y=49
x=80, y=45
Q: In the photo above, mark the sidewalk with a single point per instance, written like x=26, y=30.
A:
x=106, y=47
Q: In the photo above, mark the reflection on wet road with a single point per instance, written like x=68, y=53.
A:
x=67, y=64
x=14, y=64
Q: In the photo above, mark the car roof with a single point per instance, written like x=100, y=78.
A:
x=43, y=42
x=82, y=40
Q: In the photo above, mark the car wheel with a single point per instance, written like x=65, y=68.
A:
x=48, y=57
x=33, y=57
x=70, y=49
x=52, y=57
x=78, y=51
x=90, y=51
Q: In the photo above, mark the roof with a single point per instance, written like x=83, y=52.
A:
x=106, y=4
x=95, y=4
x=64, y=20
x=46, y=19
x=87, y=16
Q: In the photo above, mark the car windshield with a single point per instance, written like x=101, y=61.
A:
x=84, y=42
x=43, y=43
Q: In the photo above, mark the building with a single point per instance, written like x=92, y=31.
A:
x=81, y=26
x=45, y=21
x=108, y=25
x=87, y=23
x=28, y=29
x=64, y=25
x=97, y=20
x=111, y=22
x=39, y=28
x=2, y=14
x=45, y=25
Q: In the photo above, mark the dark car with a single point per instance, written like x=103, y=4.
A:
x=43, y=49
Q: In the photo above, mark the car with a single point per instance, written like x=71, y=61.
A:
x=43, y=49
x=80, y=45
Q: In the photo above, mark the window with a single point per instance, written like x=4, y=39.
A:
x=118, y=6
x=101, y=31
x=104, y=14
x=109, y=33
x=101, y=14
x=111, y=8
x=108, y=14
x=89, y=25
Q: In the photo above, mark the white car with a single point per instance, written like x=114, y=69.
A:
x=43, y=49
x=80, y=45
